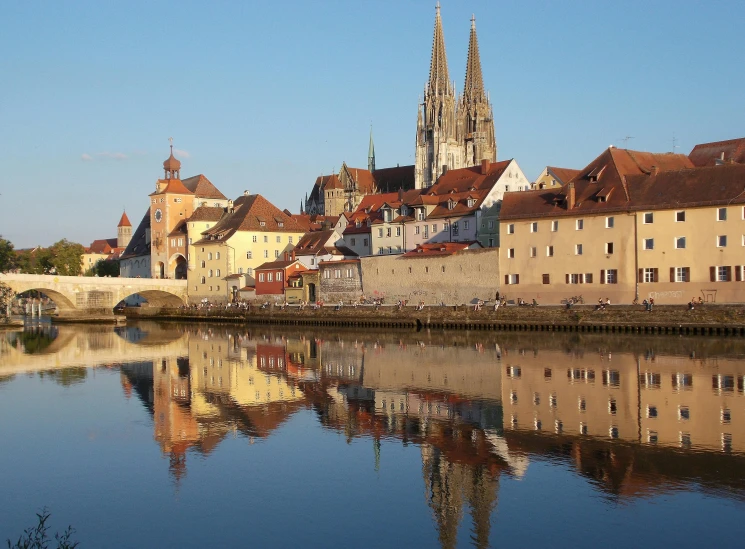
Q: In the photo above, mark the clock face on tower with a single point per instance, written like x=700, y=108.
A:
x=158, y=215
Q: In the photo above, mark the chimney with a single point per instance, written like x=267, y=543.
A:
x=485, y=164
x=571, y=197
x=721, y=156
x=401, y=194
x=444, y=169
x=655, y=170
x=246, y=193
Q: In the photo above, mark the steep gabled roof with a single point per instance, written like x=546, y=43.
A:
x=709, y=154
x=207, y=213
x=563, y=175
x=709, y=186
x=103, y=246
x=139, y=246
x=313, y=243
x=392, y=179
x=124, y=221
x=202, y=187
x=601, y=186
x=465, y=179
x=252, y=213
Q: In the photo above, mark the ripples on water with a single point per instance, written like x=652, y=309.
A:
x=161, y=435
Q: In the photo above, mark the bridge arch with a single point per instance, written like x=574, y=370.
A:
x=63, y=301
x=157, y=298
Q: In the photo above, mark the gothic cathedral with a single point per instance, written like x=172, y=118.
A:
x=453, y=132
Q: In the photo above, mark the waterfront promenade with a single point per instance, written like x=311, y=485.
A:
x=675, y=319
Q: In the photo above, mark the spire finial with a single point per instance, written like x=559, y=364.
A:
x=473, y=21
x=439, y=81
x=170, y=140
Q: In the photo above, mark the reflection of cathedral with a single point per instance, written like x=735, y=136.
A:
x=448, y=400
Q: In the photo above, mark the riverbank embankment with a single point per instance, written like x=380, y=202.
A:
x=670, y=319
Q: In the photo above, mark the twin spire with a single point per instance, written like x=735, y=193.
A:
x=439, y=79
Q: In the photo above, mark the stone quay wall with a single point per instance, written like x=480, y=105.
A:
x=457, y=279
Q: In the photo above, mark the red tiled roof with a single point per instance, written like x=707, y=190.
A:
x=313, y=243
x=393, y=179
x=606, y=176
x=464, y=179
x=563, y=174
x=279, y=265
x=124, y=221
x=251, y=213
x=174, y=186
x=103, y=246
x=708, y=154
x=207, y=213
x=202, y=187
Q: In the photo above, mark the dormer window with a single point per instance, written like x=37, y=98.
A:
x=262, y=223
x=471, y=202
x=451, y=204
x=280, y=224
x=358, y=223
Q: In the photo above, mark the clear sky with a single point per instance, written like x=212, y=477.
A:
x=266, y=96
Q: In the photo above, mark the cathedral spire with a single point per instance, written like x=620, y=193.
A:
x=473, y=89
x=371, y=153
x=439, y=80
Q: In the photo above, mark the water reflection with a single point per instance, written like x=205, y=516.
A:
x=635, y=416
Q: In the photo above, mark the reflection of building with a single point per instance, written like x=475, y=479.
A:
x=671, y=401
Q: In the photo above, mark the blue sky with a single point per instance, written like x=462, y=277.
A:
x=265, y=96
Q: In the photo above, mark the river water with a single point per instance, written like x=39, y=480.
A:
x=165, y=435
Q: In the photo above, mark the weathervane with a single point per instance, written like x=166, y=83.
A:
x=170, y=140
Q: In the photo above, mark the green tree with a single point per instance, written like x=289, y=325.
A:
x=66, y=258
x=7, y=256
x=36, y=261
x=104, y=267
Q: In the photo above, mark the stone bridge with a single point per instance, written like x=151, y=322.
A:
x=95, y=296
x=85, y=348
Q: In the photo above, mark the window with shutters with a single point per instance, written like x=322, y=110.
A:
x=588, y=278
x=546, y=279
x=649, y=275
x=611, y=276
x=680, y=274
x=574, y=278
x=512, y=279
x=723, y=274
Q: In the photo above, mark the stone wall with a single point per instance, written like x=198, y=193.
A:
x=340, y=281
x=455, y=279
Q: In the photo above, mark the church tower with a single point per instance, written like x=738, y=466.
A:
x=371, y=154
x=123, y=232
x=475, y=115
x=437, y=148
